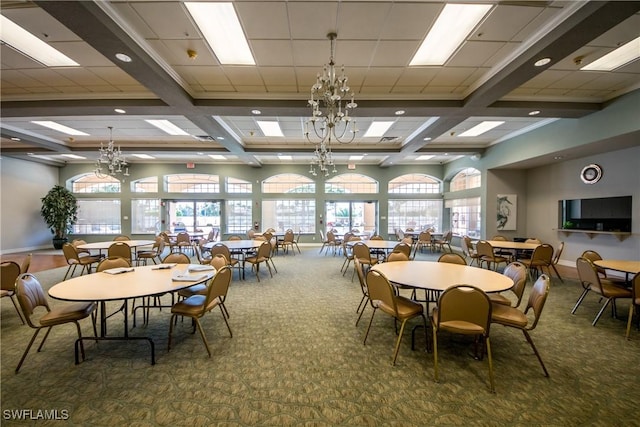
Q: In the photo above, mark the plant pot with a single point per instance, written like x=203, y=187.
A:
x=58, y=242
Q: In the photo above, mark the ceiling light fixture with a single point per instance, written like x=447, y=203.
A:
x=377, y=129
x=617, y=58
x=454, y=24
x=123, y=57
x=167, y=126
x=112, y=159
x=332, y=124
x=481, y=128
x=29, y=45
x=270, y=128
x=60, y=128
x=541, y=62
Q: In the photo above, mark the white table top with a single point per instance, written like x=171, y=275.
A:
x=502, y=244
x=237, y=244
x=376, y=244
x=105, y=245
x=626, y=266
x=143, y=281
x=439, y=276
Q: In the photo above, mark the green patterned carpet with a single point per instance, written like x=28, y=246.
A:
x=296, y=358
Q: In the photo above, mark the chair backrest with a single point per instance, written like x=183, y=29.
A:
x=534, y=241
x=403, y=247
x=222, y=249
x=588, y=273
x=183, y=237
x=408, y=240
x=424, y=237
x=448, y=236
x=543, y=253
x=465, y=303
x=70, y=253
x=271, y=230
x=78, y=242
x=380, y=290
x=235, y=238
x=165, y=237
x=361, y=277
x=177, y=257
x=397, y=256
x=289, y=237
x=250, y=233
x=331, y=237
x=219, y=261
x=121, y=238
x=112, y=262
x=218, y=287
x=362, y=252
x=376, y=237
x=558, y=252
x=264, y=250
x=517, y=272
x=537, y=298
x=468, y=244
x=408, y=229
x=594, y=256
x=484, y=248
x=30, y=296
x=500, y=238
x=211, y=236
x=26, y=263
x=9, y=272
x=120, y=249
x=452, y=258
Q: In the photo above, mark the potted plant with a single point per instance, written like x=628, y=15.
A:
x=60, y=212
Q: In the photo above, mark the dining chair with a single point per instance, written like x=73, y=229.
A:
x=362, y=252
x=471, y=252
x=383, y=297
x=452, y=258
x=120, y=249
x=466, y=310
x=9, y=272
x=26, y=263
x=202, y=259
x=31, y=296
x=424, y=241
x=397, y=256
x=347, y=251
x=517, y=272
x=556, y=259
x=634, y=307
x=445, y=241
x=183, y=242
x=512, y=317
x=488, y=255
x=363, y=288
x=262, y=256
x=155, y=253
x=221, y=248
x=196, y=306
x=74, y=260
x=217, y=262
x=541, y=259
x=403, y=247
x=594, y=256
x=288, y=241
x=591, y=281
x=121, y=238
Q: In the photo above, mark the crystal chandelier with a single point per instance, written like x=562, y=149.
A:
x=330, y=92
x=112, y=159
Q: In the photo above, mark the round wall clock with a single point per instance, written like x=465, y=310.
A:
x=591, y=174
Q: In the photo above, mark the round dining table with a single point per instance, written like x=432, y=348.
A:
x=125, y=284
x=438, y=276
x=628, y=267
x=103, y=246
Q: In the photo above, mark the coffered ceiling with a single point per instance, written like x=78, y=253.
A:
x=174, y=75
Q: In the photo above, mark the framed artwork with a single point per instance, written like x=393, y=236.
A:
x=507, y=211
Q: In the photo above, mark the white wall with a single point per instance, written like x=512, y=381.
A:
x=546, y=185
x=22, y=185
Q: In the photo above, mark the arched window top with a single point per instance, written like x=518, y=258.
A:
x=288, y=183
x=237, y=185
x=351, y=183
x=414, y=183
x=91, y=183
x=192, y=183
x=466, y=179
x=145, y=185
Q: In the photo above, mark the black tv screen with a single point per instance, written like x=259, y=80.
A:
x=598, y=214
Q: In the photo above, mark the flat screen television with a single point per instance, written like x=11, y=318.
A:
x=599, y=214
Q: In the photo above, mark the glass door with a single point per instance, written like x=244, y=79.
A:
x=350, y=215
x=192, y=216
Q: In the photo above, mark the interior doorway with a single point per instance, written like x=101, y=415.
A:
x=193, y=215
x=349, y=215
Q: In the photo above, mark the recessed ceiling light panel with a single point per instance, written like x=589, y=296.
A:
x=59, y=127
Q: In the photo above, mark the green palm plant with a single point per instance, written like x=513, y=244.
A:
x=60, y=212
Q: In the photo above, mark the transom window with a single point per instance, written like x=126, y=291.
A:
x=414, y=184
x=288, y=183
x=235, y=185
x=145, y=185
x=351, y=183
x=192, y=183
x=90, y=183
x=466, y=179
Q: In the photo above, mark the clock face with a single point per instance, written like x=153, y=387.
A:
x=591, y=174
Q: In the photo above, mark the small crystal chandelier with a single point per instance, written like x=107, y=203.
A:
x=112, y=159
x=331, y=92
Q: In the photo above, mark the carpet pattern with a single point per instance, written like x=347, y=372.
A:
x=296, y=359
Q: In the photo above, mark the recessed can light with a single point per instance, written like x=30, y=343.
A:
x=541, y=62
x=119, y=111
x=400, y=112
x=123, y=57
x=534, y=112
x=256, y=112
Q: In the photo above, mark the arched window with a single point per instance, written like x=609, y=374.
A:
x=466, y=179
x=414, y=183
x=90, y=183
x=145, y=185
x=288, y=183
x=236, y=185
x=192, y=183
x=351, y=183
